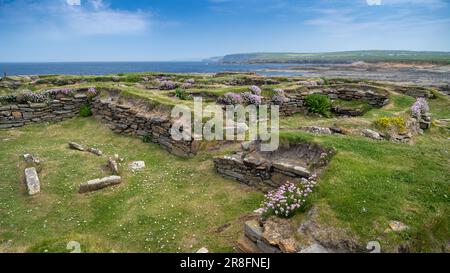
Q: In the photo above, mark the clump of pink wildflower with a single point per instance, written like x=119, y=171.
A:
x=250, y=98
x=420, y=107
x=287, y=199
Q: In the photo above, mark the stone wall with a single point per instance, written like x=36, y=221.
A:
x=18, y=115
x=268, y=170
x=135, y=121
x=374, y=97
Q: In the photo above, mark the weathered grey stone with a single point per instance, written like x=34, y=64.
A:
x=288, y=167
x=113, y=166
x=100, y=183
x=32, y=181
x=95, y=151
x=371, y=134
x=253, y=230
x=396, y=226
x=245, y=245
x=76, y=146
x=318, y=130
x=137, y=165
x=203, y=250
x=28, y=158
x=38, y=105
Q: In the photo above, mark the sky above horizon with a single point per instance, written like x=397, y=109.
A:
x=157, y=30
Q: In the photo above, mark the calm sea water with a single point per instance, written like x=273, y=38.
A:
x=100, y=68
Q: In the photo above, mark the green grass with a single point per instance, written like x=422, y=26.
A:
x=346, y=56
x=174, y=205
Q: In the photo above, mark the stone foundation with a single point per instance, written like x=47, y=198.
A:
x=274, y=235
x=269, y=170
x=18, y=115
x=153, y=125
x=374, y=97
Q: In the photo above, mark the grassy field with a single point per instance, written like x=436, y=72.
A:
x=181, y=205
x=368, y=183
x=174, y=205
x=338, y=57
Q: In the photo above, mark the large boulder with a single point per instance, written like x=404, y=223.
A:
x=100, y=183
x=32, y=181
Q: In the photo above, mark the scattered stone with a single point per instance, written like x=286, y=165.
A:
x=317, y=130
x=112, y=165
x=248, y=146
x=76, y=146
x=266, y=248
x=32, y=181
x=371, y=134
x=137, y=165
x=28, y=158
x=253, y=230
x=95, y=151
x=100, y=183
x=315, y=248
x=203, y=250
x=396, y=226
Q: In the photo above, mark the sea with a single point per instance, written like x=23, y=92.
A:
x=102, y=68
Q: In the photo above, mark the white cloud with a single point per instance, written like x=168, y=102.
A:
x=68, y=18
x=373, y=2
x=73, y=2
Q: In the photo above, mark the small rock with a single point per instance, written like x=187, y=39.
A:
x=112, y=165
x=288, y=245
x=371, y=134
x=203, y=250
x=76, y=146
x=32, y=181
x=137, y=165
x=396, y=226
x=100, y=183
x=95, y=151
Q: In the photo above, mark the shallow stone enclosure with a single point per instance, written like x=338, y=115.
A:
x=268, y=170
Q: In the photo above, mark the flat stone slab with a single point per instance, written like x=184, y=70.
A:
x=32, y=181
x=100, y=183
x=253, y=230
x=137, y=165
x=76, y=146
x=113, y=166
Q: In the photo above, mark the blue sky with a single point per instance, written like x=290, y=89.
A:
x=154, y=30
